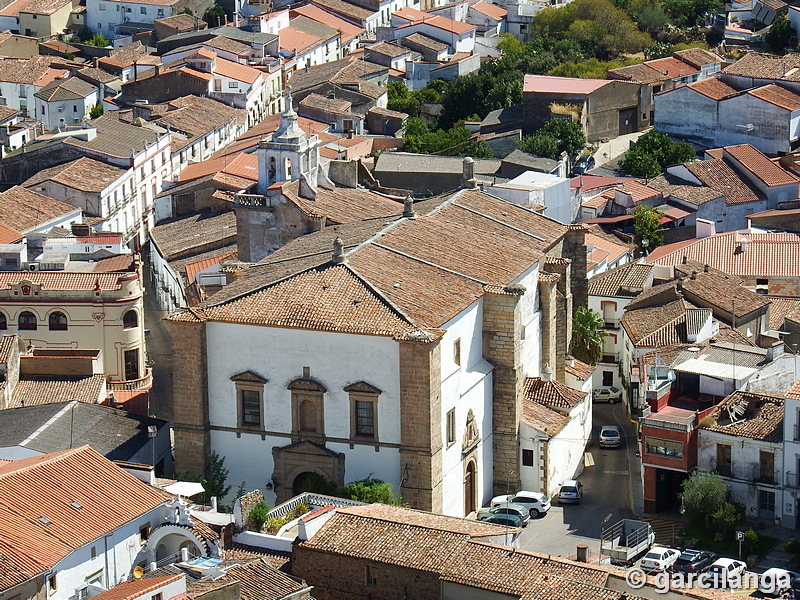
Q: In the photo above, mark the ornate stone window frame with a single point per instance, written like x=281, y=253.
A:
x=363, y=392
x=305, y=389
x=251, y=382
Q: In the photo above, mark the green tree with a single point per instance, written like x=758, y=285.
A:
x=647, y=228
x=703, y=493
x=750, y=539
x=655, y=148
x=726, y=517
x=258, y=516
x=691, y=13
x=317, y=484
x=99, y=40
x=96, y=111
x=371, y=490
x=214, y=16
x=540, y=144
x=215, y=483
x=587, y=340
x=567, y=133
x=780, y=34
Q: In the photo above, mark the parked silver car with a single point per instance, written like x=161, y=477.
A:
x=506, y=508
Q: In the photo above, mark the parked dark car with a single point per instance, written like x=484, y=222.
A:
x=585, y=162
x=693, y=561
x=510, y=520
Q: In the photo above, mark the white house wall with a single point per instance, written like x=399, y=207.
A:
x=565, y=449
x=531, y=320
x=336, y=360
x=465, y=387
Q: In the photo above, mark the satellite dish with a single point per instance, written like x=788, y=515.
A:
x=138, y=572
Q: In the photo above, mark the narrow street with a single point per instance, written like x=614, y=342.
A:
x=159, y=353
x=607, y=493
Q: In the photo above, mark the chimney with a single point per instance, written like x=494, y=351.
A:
x=685, y=259
x=306, y=67
x=468, y=175
x=338, y=252
x=705, y=268
x=775, y=350
x=408, y=208
x=694, y=275
x=743, y=244
x=569, y=360
x=547, y=373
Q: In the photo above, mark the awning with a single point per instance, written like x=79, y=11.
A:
x=185, y=488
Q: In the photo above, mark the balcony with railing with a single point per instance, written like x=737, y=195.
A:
x=792, y=480
x=253, y=201
x=132, y=385
x=760, y=474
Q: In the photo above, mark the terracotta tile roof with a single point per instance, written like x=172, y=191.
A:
x=348, y=30
x=325, y=103
x=718, y=289
x=181, y=237
x=542, y=418
x=240, y=552
x=579, y=369
x=713, y=88
x=345, y=9
x=552, y=393
x=23, y=209
x=8, y=235
x=766, y=66
x=716, y=174
x=794, y=391
x=326, y=299
x=297, y=41
x=762, y=418
x=44, y=486
x=604, y=249
x=115, y=264
x=84, y=174
x=60, y=90
x=243, y=165
x=423, y=41
x=127, y=55
x=228, y=45
x=30, y=70
x=672, y=67
x=766, y=255
x=7, y=343
x=193, y=268
x=426, y=270
x=697, y=57
x=625, y=281
x=777, y=95
x=693, y=194
x=63, y=280
x=492, y=10
x=634, y=188
x=641, y=73
x=259, y=580
x=233, y=70
x=391, y=50
x=781, y=309
x=341, y=205
x=130, y=590
x=642, y=323
x=760, y=166
x=457, y=556
x=46, y=390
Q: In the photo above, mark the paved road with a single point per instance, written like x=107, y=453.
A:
x=606, y=492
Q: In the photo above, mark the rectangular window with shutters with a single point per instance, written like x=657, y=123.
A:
x=365, y=418
x=724, y=460
x=451, y=427
x=251, y=407
x=527, y=458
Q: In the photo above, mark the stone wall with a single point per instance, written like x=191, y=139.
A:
x=421, y=425
x=336, y=577
x=190, y=398
x=501, y=347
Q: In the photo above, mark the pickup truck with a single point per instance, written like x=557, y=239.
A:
x=626, y=541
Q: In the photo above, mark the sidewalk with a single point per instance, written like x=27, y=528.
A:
x=614, y=148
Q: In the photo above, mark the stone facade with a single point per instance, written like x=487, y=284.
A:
x=337, y=577
x=502, y=348
x=421, y=427
x=190, y=397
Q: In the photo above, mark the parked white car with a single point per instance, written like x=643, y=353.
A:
x=536, y=502
x=607, y=393
x=659, y=559
x=775, y=581
x=724, y=570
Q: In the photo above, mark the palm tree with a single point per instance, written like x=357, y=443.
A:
x=587, y=339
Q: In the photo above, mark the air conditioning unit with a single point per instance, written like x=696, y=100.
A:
x=33, y=267
x=82, y=593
